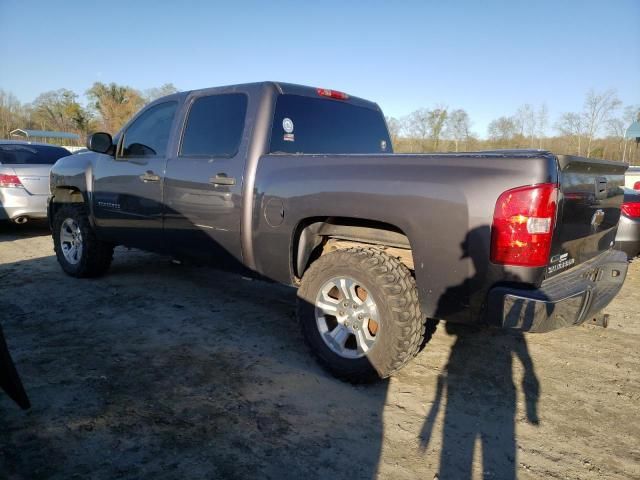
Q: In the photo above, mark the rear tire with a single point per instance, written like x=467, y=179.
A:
x=399, y=323
x=78, y=250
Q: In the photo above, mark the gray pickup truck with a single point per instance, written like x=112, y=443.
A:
x=299, y=185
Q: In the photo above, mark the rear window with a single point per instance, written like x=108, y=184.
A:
x=317, y=125
x=31, y=154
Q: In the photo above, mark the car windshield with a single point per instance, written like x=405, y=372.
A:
x=31, y=154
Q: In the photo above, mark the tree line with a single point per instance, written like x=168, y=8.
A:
x=595, y=131
x=109, y=106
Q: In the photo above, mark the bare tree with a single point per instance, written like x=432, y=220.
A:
x=598, y=108
x=541, y=123
x=394, y=126
x=502, y=130
x=631, y=114
x=416, y=124
x=425, y=124
x=616, y=129
x=571, y=125
x=436, y=120
x=152, y=94
x=11, y=113
x=457, y=126
x=525, y=119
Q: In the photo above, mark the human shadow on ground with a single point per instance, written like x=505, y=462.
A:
x=479, y=399
x=476, y=388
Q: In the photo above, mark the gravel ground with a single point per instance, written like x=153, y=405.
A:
x=165, y=371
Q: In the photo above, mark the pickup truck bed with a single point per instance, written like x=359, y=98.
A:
x=300, y=186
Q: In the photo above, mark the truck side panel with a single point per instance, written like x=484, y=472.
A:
x=441, y=203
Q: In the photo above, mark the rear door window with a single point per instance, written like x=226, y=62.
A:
x=215, y=125
x=317, y=125
x=31, y=154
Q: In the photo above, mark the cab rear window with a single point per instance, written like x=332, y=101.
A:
x=31, y=154
x=318, y=125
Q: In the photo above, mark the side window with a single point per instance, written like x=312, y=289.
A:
x=148, y=135
x=215, y=125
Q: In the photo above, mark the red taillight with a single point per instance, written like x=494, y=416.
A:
x=636, y=186
x=325, y=92
x=523, y=224
x=10, y=181
x=631, y=209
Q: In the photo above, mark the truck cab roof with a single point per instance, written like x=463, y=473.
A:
x=282, y=88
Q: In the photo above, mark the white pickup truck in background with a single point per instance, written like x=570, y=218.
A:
x=632, y=178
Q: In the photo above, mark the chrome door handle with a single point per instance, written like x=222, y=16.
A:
x=222, y=179
x=149, y=176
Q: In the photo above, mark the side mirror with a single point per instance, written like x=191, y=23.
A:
x=100, y=142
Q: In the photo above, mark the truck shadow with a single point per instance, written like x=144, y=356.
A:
x=147, y=385
x=184, y=372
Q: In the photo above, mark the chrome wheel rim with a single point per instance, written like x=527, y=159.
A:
x=347, y=317
x=71, y=241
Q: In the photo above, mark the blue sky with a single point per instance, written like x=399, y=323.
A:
x=488, y=57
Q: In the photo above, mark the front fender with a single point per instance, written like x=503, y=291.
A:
x=73, y=172
x=71, y=181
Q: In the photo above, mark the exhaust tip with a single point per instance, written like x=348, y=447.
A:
x=21, y=220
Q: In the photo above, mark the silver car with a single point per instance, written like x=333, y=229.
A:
x=628, y=236
x=24, y=178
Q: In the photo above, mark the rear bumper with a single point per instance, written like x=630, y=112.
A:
x=17, y=202
x=564, y=300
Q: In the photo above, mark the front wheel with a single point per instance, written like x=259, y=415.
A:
x=359, y=312
x=78, y=250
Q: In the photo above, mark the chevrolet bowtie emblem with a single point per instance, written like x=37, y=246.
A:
x=597, y=219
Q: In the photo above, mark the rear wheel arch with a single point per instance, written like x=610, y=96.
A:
x=314, y=237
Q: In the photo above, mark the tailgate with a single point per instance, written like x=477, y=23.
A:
x=34, y=178
x=588, y=210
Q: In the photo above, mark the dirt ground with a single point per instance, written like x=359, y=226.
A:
x=163, y=371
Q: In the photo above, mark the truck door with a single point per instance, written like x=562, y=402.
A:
x=203, y=186
x=127, y=197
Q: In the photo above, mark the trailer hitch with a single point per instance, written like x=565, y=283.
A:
x=600, y=320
